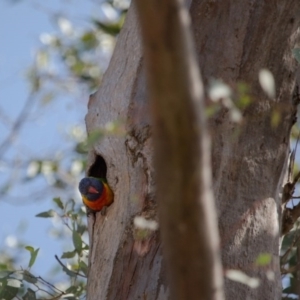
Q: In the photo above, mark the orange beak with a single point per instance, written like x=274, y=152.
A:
x=92, y=190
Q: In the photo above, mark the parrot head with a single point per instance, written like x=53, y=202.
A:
x=91, y=188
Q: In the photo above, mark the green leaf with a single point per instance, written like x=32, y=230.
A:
x=263, y=259
x=27, y=276
x=72, y=289
x=70, y=254
x=8, y=292
x=83, y=267
x=69, y=272
x=3, y=266
x=94, y=137
x=293, y=257
x=29, y=248
x=76, y=290
x=72, y=216
x=81, y=148
x=275, y=118
x=33, y=255
x=30, y=295
x=70, y=205
x=81, y=228
x=111, y=29
x=46, y=214
x=77, y=241
x=75, y=298
x=89, y=40
x=9, y=288
x=58, y=202
x=296, y=53
x=86, y=247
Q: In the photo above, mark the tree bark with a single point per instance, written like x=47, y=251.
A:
x=122, y=265
x=233, y=42
x=181, y=148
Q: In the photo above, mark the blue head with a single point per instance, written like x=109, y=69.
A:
x=91, y=188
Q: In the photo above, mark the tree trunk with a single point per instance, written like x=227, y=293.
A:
x=122, y=265
x=233, y=42
x=182, y=154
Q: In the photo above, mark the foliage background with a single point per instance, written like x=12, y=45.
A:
x=53, y=57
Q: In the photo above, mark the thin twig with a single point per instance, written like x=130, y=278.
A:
x=49, y=284
x=59, y=261
x=17, y=124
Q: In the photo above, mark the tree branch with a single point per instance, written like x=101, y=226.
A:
x=186, y=206
x=67, y=269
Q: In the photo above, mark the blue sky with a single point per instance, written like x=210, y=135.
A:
x=21, y=25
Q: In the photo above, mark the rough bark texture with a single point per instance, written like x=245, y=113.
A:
x=233, y=40
x=122, y=266
x=182, y=153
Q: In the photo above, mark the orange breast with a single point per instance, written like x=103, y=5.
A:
x=105, y=199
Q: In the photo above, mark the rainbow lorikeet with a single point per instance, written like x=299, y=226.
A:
x=95, y=193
